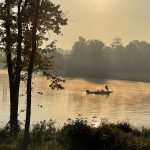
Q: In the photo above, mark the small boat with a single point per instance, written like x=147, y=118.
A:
x=99, y=92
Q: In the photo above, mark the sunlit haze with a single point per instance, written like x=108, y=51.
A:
x=105, y=20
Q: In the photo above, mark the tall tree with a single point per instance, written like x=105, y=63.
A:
x=11, y=37
x=36, y=7
x=30, y=71
x=16, y=19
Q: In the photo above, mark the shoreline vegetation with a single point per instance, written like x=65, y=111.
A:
x=78, y=134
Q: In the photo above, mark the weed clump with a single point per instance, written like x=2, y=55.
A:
x=78, y=134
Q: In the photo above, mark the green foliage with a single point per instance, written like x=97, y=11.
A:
x=130, y=62
x=43, y=132
x=87, y=55
x=51, y=19
x=125, y=126
x=80, y=135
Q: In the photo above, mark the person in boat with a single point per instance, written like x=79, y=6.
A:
x=100, y=91
x=106, y=87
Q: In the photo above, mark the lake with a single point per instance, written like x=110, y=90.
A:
x=130, y=101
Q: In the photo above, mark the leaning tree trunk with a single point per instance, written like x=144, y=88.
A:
x=29, y=80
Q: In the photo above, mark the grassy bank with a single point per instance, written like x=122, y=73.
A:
x=78, y=135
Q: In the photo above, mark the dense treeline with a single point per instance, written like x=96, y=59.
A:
x=92, y=58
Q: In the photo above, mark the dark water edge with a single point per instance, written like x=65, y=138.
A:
x=79, y=135
x=139, y=77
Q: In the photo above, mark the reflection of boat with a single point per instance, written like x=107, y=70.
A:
x=99, y=92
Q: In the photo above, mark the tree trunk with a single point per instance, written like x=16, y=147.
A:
x=28, y=109
x=14, y=127
x=13, y=96
x=15, y=78
x=14, y=88
x=29, y=80
x=19, y=49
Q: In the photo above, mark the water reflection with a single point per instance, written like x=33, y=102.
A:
x=130, y=101
x=5, y=88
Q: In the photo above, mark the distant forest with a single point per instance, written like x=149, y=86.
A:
x=93, y=59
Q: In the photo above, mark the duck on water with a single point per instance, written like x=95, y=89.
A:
x=100, y=92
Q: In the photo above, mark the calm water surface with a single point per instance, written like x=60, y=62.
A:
x=130, y=101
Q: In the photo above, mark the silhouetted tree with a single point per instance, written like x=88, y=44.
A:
x=37, y=7
x=17, y=40
x=11, y=38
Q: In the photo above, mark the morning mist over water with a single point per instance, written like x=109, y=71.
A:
x=128, y=102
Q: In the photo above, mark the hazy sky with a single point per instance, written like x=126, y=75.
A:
x=104, y=20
